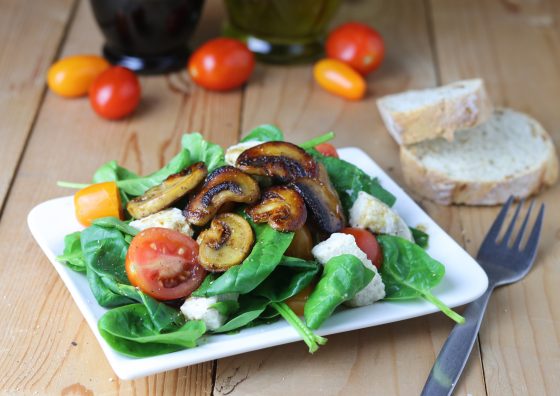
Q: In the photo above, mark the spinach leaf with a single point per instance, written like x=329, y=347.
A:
x=205, y=285
x=409, y=272
x=103, y=295
x=267, y=252
x=72, y=254
x=250, y=308
x=226, y=307
x=201, y=150
x=420, y=237
x=113, y=222
x=343, y=277
x=264, y=133
x=111, y=171
x=130, y=330
x=349, y=180
x=309, y=144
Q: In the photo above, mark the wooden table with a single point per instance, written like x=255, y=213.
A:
x=46, y=346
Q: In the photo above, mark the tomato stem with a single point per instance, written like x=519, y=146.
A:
x=311, y=339
x=317, y=140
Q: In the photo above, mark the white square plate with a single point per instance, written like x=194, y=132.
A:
x=464, y=281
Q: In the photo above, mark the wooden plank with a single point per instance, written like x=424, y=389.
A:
x=515, y=47
x=46, y=346
x=390, y=359
x=31, y=32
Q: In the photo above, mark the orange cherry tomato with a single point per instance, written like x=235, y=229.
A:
x=115, y=93
x=367, y=242
x=340, y=79
x=301, y=244
x=164, y=263
x=357, y=45
x=72, y=76
x=327, y=149
x=297, y=302
x=221, y=64
x=97, y=201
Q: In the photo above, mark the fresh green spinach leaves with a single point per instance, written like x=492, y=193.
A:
x=264, y=133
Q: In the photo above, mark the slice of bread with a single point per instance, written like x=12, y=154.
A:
x=414, y=116
x=511, y=154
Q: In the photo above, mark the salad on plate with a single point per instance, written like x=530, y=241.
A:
x=215, y=242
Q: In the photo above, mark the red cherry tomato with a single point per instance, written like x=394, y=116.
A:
x=164, y=264
x=221, y=64
x=327, y=149
x=358, y=45
x=115, y=93
x=367, y=242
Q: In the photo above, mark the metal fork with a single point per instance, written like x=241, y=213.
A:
x=503, y=264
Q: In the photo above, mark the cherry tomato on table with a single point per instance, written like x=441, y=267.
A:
x=72, y=76
x=115, y=93
x=97, y=201
x=357, y=45
x=340, y=79
x=164, y=264
x=327, y=149
x=367, y=242
x=221, y=64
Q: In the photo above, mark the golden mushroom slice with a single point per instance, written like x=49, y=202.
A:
x=282, y=161
x=225, y=184
x=226, y=243
x=281, y=207
x=165, y=194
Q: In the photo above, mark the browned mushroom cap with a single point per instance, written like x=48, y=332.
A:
x=322, y=200
x=165, y=194
x=282, y=207
x=226, y=243
x=283, y=161
x=225, y=184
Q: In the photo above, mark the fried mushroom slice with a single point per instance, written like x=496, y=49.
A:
x=165, y=194
x=281, y=207
x=225, y=184
x=323, y=202
x=226, y=243
x=282, y=161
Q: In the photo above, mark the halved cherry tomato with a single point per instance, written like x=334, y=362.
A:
x=72, y=76
x=297, y=302
x=115, y=93
x=367, y=242
x=357, y=45
x=221, y=64
x=164, y=264
x=327, y=149
x=340, y=79
x=97, y=201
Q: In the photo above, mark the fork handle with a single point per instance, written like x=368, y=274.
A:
x=455, y=352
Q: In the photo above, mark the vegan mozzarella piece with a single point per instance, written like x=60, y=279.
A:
x=200, y=308
x=171, y=218
x=235, y=151
x=339, y=244
x=373, y=214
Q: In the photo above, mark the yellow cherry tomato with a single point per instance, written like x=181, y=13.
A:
x=339, y=79
x=72, y=76
x=97, y=201
x=297, y=302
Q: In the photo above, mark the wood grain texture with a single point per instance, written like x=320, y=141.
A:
x=46, y=346
x=23, y=64
x=515, y=47
x=387, y=360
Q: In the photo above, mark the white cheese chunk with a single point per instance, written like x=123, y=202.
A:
x=371, y=213
x=200, y=308
x=235, y=151
x=339, y=244
x=171, y=218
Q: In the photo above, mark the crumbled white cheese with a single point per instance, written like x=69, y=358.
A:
x=200, y=308
x=235, y=151
x=339, y=244
x=171, y=218
x=371, y=213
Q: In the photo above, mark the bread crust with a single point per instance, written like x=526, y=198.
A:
x=439, y=120
x=441, y=188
